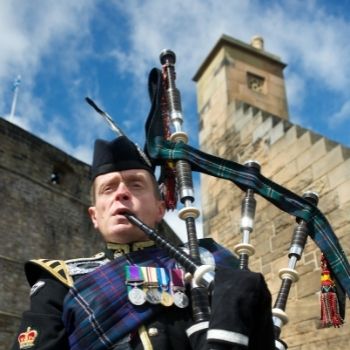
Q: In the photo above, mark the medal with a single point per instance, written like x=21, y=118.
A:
x=178, y=287
x=163, y=280
x=153, y=295
x=137, y=296
x=134, y=279
x=167, y=299
x=180, y=299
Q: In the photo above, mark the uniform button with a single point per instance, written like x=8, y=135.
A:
x=152, y=332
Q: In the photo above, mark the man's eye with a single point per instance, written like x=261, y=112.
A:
x=137, y=184
x=107, y=189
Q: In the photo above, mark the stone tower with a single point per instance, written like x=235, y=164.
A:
x=243, y=115
x=235, y=71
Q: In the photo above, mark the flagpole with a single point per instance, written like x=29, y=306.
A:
x=15, y=95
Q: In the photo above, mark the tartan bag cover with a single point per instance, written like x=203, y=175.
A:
x=97, y=312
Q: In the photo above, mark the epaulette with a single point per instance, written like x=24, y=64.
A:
x=56, y=268
x=63, y=270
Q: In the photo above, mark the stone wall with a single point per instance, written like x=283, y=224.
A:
x=39, y=219
x=300, y=160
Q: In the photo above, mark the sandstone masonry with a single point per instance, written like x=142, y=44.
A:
x=243, y=115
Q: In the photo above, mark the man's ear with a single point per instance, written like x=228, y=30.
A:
x=92, y=213
x=161, y=211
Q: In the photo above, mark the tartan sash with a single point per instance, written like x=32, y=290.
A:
x=161, y=150
x=97, y=312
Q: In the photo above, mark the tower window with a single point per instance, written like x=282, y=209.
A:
x=256, y=83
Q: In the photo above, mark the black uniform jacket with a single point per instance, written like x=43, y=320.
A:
x=42, y=328
x=167, y=331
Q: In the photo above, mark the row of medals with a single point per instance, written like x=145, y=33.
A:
x=142, y=292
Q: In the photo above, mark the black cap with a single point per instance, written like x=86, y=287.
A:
x=117, y=155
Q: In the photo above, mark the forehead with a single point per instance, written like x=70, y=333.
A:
x=139, y=174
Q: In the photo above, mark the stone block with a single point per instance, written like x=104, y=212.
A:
x=328, y=202
x=339, y=217
x=340, y=174
x=344, y=192
x=314, y=153
x=302, y=182
x=293, y=150
x=309, y=284
x=325, y=164
x=321, y=185
x=288, y=172
x=284, y=143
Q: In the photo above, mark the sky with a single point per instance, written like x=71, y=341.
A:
x=66, y=50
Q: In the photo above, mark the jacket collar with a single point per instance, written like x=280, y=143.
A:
x=114, y=250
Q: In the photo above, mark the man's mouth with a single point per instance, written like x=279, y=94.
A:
x=122, y=212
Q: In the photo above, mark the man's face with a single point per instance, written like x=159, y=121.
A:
x=117, y=192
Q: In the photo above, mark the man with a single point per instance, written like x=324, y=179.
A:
x=116, y=299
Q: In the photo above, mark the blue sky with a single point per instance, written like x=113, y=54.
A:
x=66, y=50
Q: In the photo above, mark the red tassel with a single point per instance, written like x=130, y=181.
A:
x=330, y=315
x=170, y=197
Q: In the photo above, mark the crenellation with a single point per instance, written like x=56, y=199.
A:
x=290, y=137
x=277, y=131
x=240, y=119
x=263, y=129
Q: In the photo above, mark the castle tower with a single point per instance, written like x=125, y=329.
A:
x=235, y=71
x=243, y=115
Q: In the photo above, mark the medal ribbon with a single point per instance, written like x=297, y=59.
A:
x=150, y=276
x=134, y=276
x=163, y=279
x=177, y=277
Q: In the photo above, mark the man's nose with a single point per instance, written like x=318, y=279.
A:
x=122, y=192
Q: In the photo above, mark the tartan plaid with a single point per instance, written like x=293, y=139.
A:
x=161, y=150
x=97, y=312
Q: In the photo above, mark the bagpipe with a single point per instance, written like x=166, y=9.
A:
x=167, y=147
